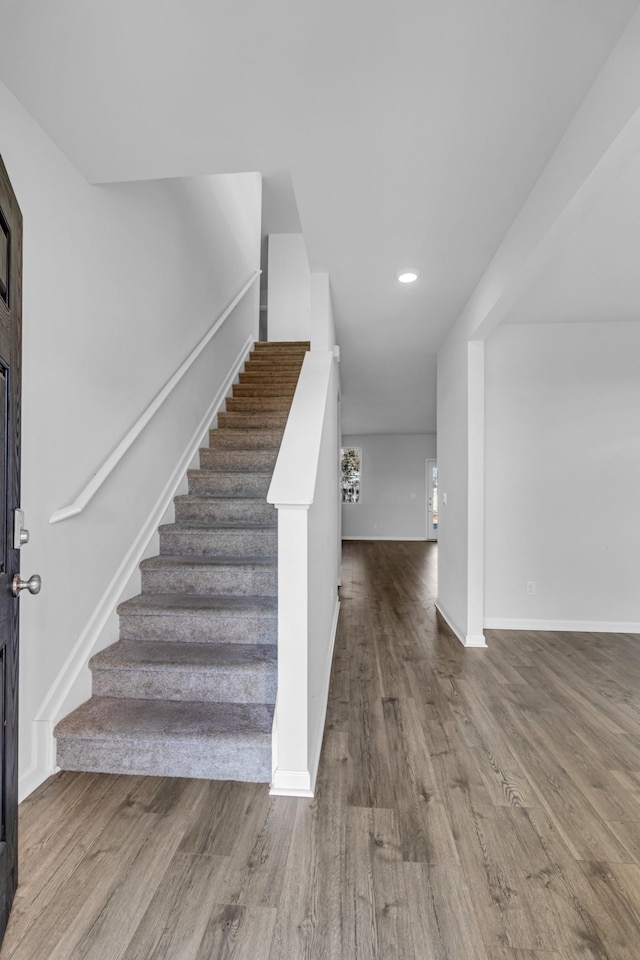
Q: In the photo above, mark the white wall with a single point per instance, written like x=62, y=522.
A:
x=452, y=481
x=392, y=487
x=460, y=486
x=563, y=476
x=289, y=311
x=323, y=330
x=120, y=282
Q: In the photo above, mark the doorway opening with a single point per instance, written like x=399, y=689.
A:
x=432, y=499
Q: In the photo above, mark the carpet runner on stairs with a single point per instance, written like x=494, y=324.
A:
x=189, y=689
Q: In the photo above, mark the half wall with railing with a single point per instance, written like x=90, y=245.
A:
x=305, y=490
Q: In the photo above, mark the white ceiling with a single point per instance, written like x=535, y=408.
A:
x=397, y=134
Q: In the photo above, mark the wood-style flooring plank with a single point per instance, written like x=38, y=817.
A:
x=423, y=825
x=297, y=917
x=503, y=775
x=617, y=887
x=442, y=917
x=611, y=711
x=127, y=900
x=584, y=831
x=370, y=782
x=506, y=953
x=605, y=792
x=628, y=833
x=309, y=919
x=388, y=638
x=256, y=869
x=68, y=789
x=50, y=852
x=506, y=868
x=225, y=808
x=177, y=916
x=587, y=920
x=92, y=804
x=58, y=930
x=376, y=911
x=235, y=932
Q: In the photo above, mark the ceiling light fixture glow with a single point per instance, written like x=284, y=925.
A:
x=407, y=276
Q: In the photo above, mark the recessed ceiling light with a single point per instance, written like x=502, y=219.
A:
x=407, y=276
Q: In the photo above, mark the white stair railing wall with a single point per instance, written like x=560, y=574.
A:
x=305, y=490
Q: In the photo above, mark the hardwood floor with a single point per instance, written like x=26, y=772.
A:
x=471, y=805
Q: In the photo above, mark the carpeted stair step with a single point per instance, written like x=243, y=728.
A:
x=253, y=420
x=281, y=347
x=230, y=460
x=228, y=484
x=277, y=359
x=281, y=344
x=223, y=673
x=228, y=539
x=245, y=439
x=286, y=364
x=267, y=368
x=257, y=405
x=284, y=391
x=170, y=738
x=278, y=350
x=224, y=576
x=265, y=380
x=183, y=617
x=264, y=374
x=195, y=508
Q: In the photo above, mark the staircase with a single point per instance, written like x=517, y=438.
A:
x=189, y=689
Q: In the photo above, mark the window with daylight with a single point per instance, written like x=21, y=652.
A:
x=351, y=464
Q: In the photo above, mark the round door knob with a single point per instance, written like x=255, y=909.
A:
x=33, y=584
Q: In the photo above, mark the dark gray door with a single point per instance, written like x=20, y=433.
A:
x=10, y=367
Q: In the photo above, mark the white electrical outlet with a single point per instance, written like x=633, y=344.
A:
x=531, y=588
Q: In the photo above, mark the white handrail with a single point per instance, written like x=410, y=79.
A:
x=118, y=453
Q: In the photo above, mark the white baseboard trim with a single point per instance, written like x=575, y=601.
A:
x=466, y=639
x=474, y=640
x=274, y=743
x=291, y=783
x=559, y=626
x=400, y=539
x=42, y=752
x=49, y=712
